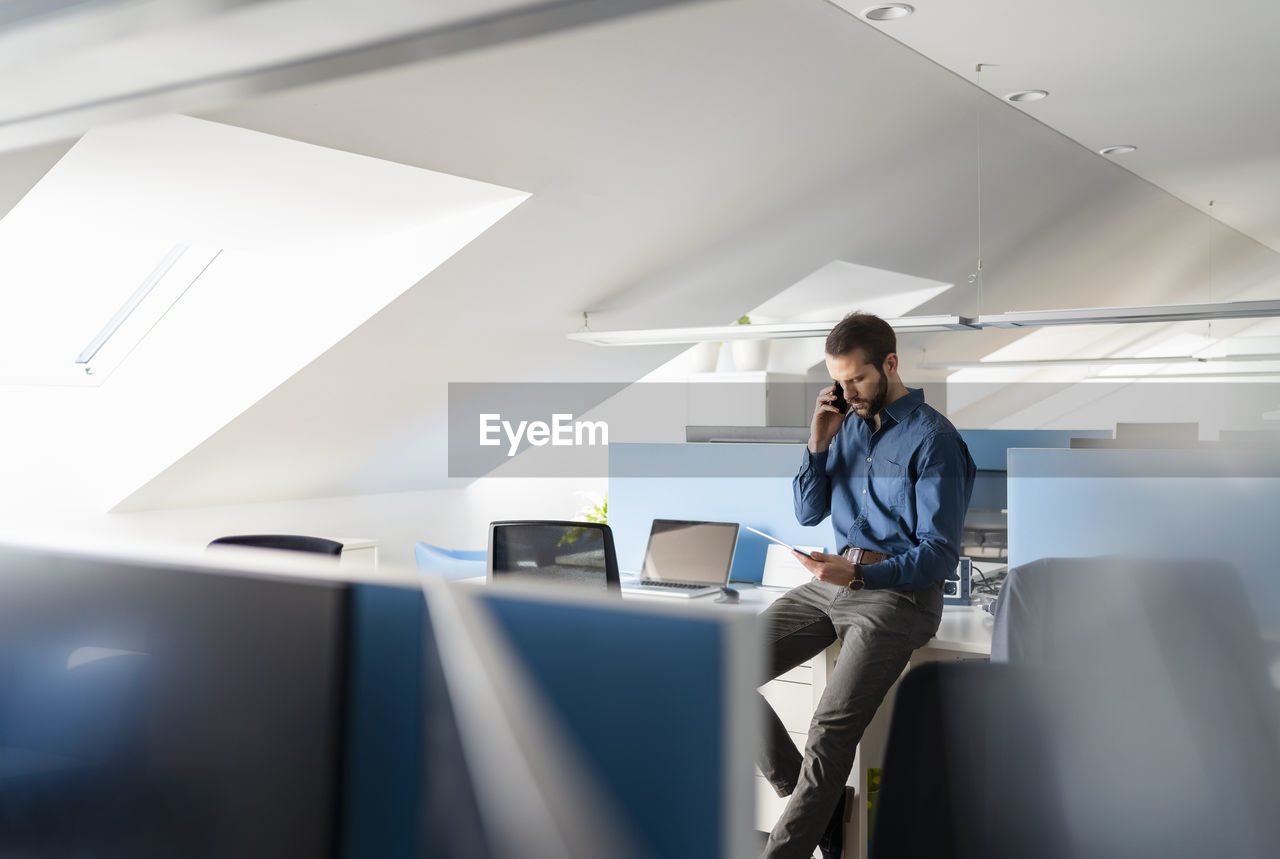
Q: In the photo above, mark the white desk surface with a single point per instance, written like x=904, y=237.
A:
x=964, y=629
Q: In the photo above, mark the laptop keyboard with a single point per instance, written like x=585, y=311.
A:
x=653, y=584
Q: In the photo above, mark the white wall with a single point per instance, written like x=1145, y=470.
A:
x=452, y=518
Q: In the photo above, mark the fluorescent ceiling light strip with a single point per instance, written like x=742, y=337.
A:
x=1071, y=362
x=131, y=304
x=935, y=324
x=761, y=331
x=1212, y=374
x=1123, y=315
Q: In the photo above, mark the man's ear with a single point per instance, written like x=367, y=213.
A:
x=891, y=362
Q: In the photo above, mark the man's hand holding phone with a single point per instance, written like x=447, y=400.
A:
x=828, y=415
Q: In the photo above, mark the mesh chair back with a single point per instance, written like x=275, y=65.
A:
x=579, y=554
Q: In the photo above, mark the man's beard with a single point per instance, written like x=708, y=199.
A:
x=876, y=403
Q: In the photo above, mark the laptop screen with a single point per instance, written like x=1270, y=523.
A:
x=699, y=552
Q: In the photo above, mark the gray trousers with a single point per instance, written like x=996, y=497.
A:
x=878, y=630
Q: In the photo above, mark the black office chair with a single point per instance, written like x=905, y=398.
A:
x=579, y=554
x=288, y=542
x=968, y=773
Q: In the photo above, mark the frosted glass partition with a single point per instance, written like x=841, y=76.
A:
x=1213, y=504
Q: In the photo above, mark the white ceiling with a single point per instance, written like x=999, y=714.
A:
x=1195, y=86
x=68, y=65
x=686, y=166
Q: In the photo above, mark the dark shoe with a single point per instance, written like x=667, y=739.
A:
x=832, y=842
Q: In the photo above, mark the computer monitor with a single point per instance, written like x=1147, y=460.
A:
x=990, y=490
x=149, y=708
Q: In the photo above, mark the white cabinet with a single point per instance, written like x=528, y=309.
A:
x=792, y=698
x=359, y=554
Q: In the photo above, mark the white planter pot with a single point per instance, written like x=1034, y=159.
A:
x=750, y=355
x=704, y=357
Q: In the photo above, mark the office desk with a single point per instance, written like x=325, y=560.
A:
x=965, y=633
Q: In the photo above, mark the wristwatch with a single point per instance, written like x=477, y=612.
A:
x=858, y=582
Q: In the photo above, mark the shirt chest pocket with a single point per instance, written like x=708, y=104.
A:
x=891, y=481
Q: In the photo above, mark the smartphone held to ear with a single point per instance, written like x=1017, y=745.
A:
x=842, y=405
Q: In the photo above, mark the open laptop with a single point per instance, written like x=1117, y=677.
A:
x=686, y=559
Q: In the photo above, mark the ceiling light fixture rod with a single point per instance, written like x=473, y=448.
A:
x=1076, y=362
x=759, y=331
x=1127, y=315
x=131, y=303
x=936, y=324
x=1217, y=374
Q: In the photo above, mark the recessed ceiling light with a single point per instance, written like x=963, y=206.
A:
x=888, y=12
x=1027, y=95
x=1123, y=149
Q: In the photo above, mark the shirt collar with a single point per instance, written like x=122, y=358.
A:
x=903, y=406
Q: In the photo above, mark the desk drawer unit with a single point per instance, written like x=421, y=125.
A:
x=793, y=702
x=802, y=673
x=791, y=696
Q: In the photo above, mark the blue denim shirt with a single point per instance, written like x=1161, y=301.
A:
x=902, y=491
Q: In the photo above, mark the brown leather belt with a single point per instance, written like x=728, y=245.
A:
x=865, y=557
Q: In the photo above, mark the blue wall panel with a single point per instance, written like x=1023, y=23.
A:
x=644, y=485
x=750, y=484
x=988, y=447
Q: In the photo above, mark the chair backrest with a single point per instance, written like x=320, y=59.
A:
x=554, y=551
x=288, y=542
x=968, y=773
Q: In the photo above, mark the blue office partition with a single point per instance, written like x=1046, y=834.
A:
x=1219, y=505
x=749, y=484
x=645, y=698
x=745, y=483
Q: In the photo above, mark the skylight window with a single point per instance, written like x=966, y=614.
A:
x=247, y=257
x=138, y=217
x=79, y=300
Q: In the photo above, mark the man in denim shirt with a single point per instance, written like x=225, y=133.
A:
x=895, y=477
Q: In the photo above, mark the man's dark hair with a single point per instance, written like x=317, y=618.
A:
x=863, y=331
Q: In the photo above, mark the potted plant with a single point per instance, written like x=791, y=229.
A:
x=597, y=513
